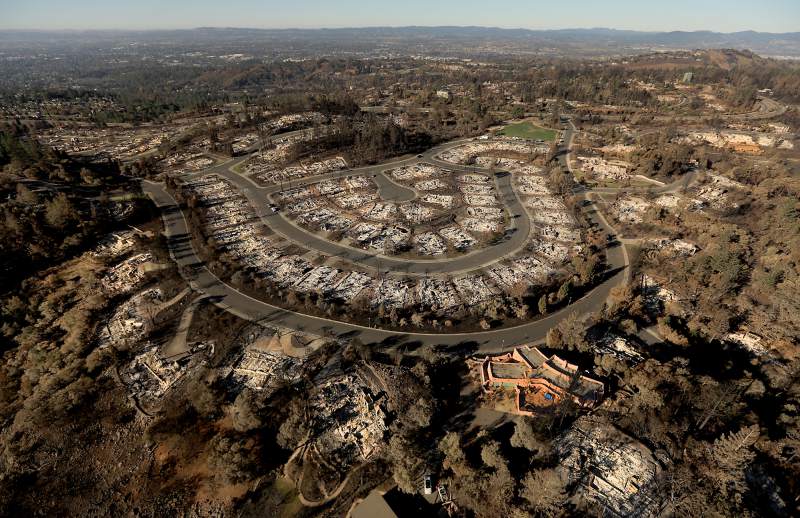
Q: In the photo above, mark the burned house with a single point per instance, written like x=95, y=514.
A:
x=611, y=469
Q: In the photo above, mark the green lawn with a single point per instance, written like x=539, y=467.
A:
x=127, y=197
x=528, y=131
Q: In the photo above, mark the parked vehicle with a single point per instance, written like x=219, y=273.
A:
x=427, y=485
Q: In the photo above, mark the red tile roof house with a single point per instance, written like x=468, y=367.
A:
x=538, y=381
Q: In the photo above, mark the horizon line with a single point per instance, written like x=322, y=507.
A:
x=323, y=28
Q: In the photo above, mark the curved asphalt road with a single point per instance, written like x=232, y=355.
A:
x=512, y=242
x=390, y=190
x=229, y=298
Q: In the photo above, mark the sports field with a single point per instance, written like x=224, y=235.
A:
x=528, y=131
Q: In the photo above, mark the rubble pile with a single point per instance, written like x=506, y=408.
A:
x=353, y=200
x=123, y=277
x=430, y=243
x=267, y=370
x=740, y=142
x=131, y=320
x=273, y=175
x=672, y=247
x=549, y=216
x=434, y=184
x=716, y=191
x=417, y=213
x=244, y=142
x=630, y=209
x=617, y=149
x=410, y=173
x=350, y=286
x=287, y=122
x=526, y=269
x=149, y=376
x=468, y=153
x=473, y=289
x=116, y=245
x=497, y=163
x=750, y=341
x=114, y=142
x=555, y=253
x=348, y=422
x=393, y=294
x=351, y=207
x=186, y=161
x=655, y=295
x=619, y=348
x=613, y=469
x=603, y=169
x=437, y=294
x=444, y=201
x=380, y=211
x=456, y=236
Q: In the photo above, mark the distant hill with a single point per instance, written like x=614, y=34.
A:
x=764, y=43
x=598, y=39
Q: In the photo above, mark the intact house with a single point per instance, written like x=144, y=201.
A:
x=539, y=382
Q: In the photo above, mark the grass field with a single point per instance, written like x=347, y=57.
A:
x=127, y=197
x=528, y=131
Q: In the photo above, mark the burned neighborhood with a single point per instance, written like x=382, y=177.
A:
x=391, y=271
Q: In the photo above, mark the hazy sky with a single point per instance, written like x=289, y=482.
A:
x=717, y=15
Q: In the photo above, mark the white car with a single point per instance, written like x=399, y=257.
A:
x=427, y=485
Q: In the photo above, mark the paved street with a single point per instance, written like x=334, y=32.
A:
x=259, y=198
x=202, y=280
x=224, y=295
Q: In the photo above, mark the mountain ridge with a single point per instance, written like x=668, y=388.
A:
x=605, y=39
